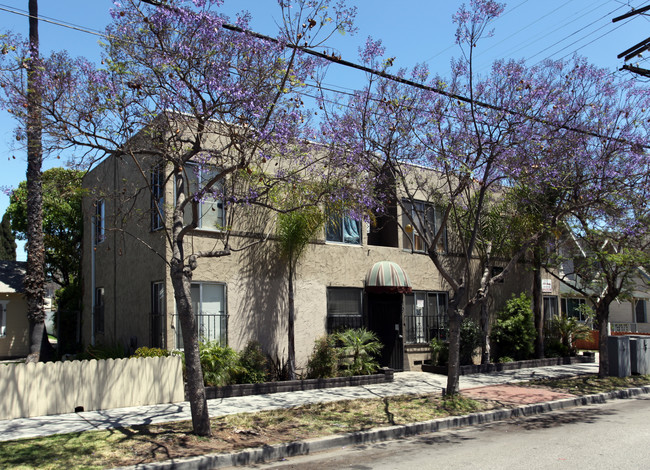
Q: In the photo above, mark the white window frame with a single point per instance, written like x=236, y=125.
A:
x=335, y=223
x=215, y=204
x=3, y=318
x=201, y=322
x=414, y=214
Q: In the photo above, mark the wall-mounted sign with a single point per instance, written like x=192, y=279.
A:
x=547, y=286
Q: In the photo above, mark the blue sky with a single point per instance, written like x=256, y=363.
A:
x=413, y=31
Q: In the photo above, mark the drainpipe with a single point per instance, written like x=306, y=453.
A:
x=93, y=224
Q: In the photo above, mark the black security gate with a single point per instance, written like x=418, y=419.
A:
x=385, y=319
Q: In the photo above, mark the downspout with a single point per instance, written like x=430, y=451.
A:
x=114, y=252
x=93, y=224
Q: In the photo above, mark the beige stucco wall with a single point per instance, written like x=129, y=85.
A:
x=15, y=343
x=129, y=259
x=132, y=257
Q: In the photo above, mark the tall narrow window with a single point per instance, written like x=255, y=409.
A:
x=421, y=221
x=158, y=315
x=211, y=211
x=209, y=306
x=3, y=318
x=157, y=197
x=550, y=307
x=425, y=314
x=98, y=310
x=100, y=221
x=343, y=229
x=640, y=310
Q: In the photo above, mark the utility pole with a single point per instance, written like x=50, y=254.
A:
x=638, y=48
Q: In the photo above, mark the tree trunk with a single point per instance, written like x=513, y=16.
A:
x=291, y=327
x=602, y=315
x=485, y=324
x=181, y=281
x=34, y=281
x=538, y=304
x=455, y=318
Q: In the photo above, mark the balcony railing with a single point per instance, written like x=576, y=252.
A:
x=211, y=327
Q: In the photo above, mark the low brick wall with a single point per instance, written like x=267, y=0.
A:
x=386, y=375
x=65, y=387
x=486, y=368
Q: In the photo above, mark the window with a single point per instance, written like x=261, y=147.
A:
x=157, y=197
x=425, y=314
x=550, y=307
x=100, y=221
x=342, y=229
x=209, y=306
x=3, y=318
x=344, y=308
x=98, y=310
x=157, y=315
x=574, y=308
x=211, y=212
x=419, y=220
x=640, y=311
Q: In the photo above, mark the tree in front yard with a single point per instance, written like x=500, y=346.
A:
x=216, y=112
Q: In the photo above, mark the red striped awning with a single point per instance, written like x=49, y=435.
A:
x=386, y=277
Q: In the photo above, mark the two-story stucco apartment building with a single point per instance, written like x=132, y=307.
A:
x=128, y=296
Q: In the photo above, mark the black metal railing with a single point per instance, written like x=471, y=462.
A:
x=211, y=327
x=342, y=322
x=423, y=328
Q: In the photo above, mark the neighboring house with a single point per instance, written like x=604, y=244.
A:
x=628, y=314
x=352, y=275
x=14, y=326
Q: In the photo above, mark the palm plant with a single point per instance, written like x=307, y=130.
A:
x=295, y=230
x=358, y=349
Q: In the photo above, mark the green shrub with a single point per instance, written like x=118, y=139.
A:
x=504, y=359
x=439, y=352
x=324, y=359
x=514, y=332
x=358, y=348
x=103, y=351
x=220, y=364
x=254, y=364
x=470, y=339
x=562, y=334
x=150, y=352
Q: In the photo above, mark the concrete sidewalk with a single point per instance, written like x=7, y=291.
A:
x=404, y=383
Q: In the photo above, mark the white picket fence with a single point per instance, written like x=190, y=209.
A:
x=65, y=387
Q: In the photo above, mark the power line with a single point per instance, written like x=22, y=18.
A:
x=383, y=74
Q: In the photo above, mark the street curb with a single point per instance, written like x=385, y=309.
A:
x=280, y=451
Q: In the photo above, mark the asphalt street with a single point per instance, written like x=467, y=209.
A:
x=610, y=435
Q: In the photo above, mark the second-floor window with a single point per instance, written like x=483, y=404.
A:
x=211, y=211
x=343, y=229
x=421, y=222
x=157, y=197
x=100, y=221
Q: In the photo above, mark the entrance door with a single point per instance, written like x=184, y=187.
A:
x=385, y=319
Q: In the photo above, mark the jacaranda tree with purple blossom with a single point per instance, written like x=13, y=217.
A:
x=179, y=93
x=444, y=155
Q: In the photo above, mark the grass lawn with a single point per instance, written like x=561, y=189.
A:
x=141, y=444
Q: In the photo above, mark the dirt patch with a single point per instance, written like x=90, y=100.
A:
x=515, y=395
